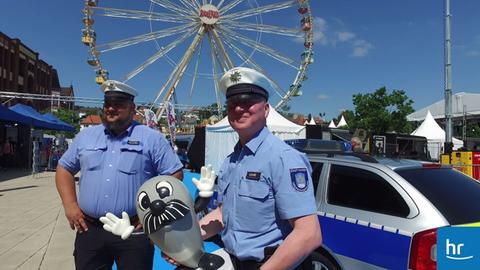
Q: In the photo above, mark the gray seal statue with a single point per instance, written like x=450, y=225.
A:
x=168, y=215
x=166, y=211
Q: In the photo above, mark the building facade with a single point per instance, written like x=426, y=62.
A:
x=22, y=71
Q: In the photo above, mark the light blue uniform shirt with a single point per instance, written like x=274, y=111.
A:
x=113, y=168
x=261, y=186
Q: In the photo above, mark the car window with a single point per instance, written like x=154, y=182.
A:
x=454, y=194
x=362, y=189
x=316, y=172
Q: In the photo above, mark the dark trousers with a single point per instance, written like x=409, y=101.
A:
x=254, y=265
x=98, y=249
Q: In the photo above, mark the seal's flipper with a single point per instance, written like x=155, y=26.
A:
x=210, y=261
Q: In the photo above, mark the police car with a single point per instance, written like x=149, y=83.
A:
x=383, y=213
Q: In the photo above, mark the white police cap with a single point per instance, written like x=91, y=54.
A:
x=117, y=88
x=233, y=82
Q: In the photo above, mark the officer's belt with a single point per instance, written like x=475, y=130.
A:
x=245, y=264
x=96, y=222
x=268, y=252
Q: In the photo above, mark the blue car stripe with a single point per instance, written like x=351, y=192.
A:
x=372, y=243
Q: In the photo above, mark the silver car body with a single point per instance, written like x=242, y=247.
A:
x=360, y=239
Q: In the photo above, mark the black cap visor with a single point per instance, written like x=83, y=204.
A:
x=246, y=89
x=118, y=96
x=245, y=98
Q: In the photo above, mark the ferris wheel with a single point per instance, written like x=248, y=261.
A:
x=201, y=39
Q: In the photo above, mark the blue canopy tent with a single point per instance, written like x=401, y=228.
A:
x=54, y=119
x=38, y=121
x=7, y=115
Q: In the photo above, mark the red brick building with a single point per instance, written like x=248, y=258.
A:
x=22, y=71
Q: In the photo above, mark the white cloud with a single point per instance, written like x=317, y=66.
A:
x=361, y=48
x=322, y=97
x=320, y=31
x=345, y=36
x=326, y=35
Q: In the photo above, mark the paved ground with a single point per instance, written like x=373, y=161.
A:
x=34, y=233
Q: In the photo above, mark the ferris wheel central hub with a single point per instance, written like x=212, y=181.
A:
x=209, y=14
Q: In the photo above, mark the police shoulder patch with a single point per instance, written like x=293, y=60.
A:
x=299, y=179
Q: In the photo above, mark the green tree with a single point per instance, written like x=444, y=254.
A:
x=473, y=130
x=285, y=111
x=69, y=117
x=210, y=110
x=381, y=112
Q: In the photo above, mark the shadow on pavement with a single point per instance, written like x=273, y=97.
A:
x=10, y=189
x=12, y=173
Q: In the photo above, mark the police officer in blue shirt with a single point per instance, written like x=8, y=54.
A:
x=267, y=213
x=114, y=160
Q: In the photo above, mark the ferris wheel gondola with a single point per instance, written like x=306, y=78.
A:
x=232, y=30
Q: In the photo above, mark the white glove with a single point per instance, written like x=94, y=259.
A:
x=117, y=226
x=206, y=182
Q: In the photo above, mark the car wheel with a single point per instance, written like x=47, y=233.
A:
x=321, y=262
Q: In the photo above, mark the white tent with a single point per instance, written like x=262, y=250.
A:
x=221, y=138
x=462, y=104
x=332, y=124
x=342, y=122
x=312, y=122
x=435, y=136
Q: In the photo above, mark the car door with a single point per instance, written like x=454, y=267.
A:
x=365, y=216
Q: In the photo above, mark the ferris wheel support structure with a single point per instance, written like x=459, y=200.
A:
x=182, y=67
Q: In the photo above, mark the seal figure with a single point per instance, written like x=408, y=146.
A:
x=168, y=215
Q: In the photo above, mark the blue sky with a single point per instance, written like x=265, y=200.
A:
x=360, y=46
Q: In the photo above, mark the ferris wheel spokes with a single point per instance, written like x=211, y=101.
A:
x=264, y=28
x=142, y=15
x=244, y=57
x=215, y=77
x=223, y=50
x=214, y=50
x=164, y=86
x=259, y=10
x=195, y=71
x=173, y=7
x=193, y=4
x=228, y=7
x=159, y=54
x=144, y=37
x=219, y=5
x=182, y=67
x=257, y=45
